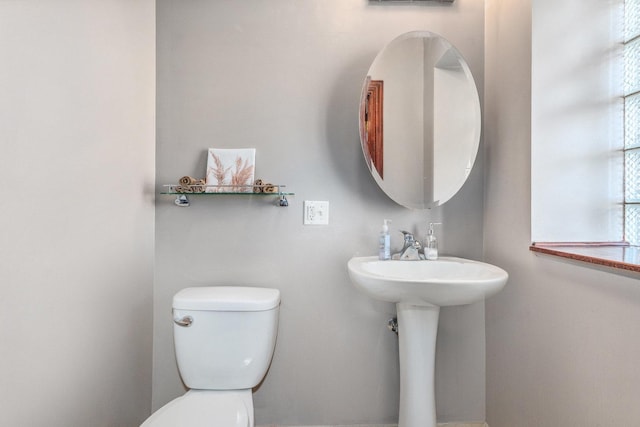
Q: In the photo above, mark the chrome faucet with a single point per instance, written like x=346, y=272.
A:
x=410, y=250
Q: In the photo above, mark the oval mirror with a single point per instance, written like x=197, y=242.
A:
x=420, y=120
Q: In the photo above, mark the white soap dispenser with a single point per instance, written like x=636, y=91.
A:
x=384, y=244
x=431, y=245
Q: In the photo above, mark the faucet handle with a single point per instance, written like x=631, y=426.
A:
x=408, y=237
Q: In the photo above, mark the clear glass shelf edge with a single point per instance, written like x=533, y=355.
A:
x=279, y=193
x=174, y=189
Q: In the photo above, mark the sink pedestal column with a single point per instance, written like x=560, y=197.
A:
x=417, y=330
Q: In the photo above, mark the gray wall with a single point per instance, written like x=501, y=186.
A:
x=562, y=338
x=285, y=77
x=77, y=212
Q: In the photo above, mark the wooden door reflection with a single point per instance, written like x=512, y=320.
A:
x=371, y=118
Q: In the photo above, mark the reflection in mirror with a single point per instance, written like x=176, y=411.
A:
x=372, y=121
x=420, y=137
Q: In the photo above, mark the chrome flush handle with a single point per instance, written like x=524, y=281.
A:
x=185, y=322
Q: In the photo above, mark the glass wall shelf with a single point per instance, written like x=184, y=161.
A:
x=183, y=192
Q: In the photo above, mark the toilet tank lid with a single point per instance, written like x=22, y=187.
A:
x=227, y=298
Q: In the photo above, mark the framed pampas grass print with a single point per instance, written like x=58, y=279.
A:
x=230, y=170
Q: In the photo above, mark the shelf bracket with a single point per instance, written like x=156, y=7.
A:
x=182, y=200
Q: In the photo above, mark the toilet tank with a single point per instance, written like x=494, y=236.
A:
x=230, y=337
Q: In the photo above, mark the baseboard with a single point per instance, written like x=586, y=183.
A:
x=390, y=425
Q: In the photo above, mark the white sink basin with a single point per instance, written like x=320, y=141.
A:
x=419, y=289
x=442, y=282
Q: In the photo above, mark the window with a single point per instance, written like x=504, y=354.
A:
x=585, y=131
x=577, y=129
x=632, y=121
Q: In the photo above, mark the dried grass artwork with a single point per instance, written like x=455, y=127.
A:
x=230, y=170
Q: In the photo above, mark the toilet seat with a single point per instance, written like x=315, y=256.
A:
x=205, y=408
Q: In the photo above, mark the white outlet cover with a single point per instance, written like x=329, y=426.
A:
x=316, y=212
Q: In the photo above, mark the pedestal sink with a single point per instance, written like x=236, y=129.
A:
x=419, y=289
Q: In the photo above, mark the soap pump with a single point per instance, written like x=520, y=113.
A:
x=384, y=244
x=431, y=245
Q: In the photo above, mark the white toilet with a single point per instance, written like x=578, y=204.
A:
x=224, y=339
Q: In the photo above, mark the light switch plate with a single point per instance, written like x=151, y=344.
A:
x=316, y=213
